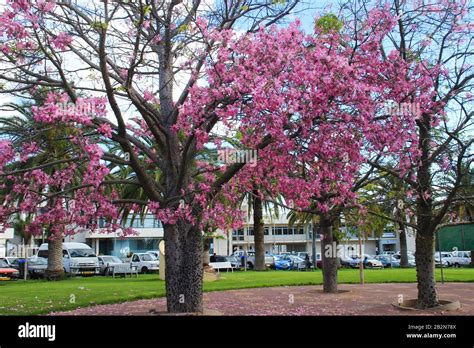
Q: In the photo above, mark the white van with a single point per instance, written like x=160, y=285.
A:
x=78, y=258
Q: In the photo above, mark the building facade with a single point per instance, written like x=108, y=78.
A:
x=279, y=237
x=5, y=237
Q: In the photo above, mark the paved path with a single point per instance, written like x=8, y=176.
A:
x=369, y=299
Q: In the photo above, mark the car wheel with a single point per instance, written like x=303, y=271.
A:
x=249, y=265
x=457, y=265
x=144, y=270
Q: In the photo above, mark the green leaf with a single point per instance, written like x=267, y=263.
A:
x=239, y=135
x=147, y=10
x=329, y=22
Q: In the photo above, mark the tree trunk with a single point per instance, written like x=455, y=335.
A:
x=206, y=258
x=424, y=254
x=427, y=296
x=55, y=269
x=329, y=257
x=184, y=270
x=258, y=232
x=403, y=246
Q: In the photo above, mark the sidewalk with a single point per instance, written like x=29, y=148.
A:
x=369, y=299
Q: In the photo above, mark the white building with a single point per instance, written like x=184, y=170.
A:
x=279, y=237
x=5, y=237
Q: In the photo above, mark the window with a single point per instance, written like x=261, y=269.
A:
x=147, y=257
x=135, y=258
x=43, y=253
x=238, y=235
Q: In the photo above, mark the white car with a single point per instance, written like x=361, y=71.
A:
x=459, y=258
x=10, y=260
x=371, y=262
x=107, y=263
x=145, y=262
x=388, y=252
x=78, y=258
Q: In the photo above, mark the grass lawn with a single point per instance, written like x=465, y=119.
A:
x=40, y=297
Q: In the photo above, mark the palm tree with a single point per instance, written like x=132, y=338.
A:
x=258, y=201
x=463, y=206
x=21, y=128
x=387, y=198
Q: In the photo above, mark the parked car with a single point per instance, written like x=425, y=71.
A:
x=438, y=263
x=349, y=261
x=302, y=254
x=445, y=256
x=388, y=260
x=297, y=263
x=240, y=254
x=411, y=259
x=11, y=261
x=37, y=267
x=145, y=262
x=155, y=253
x=78, y=258
x=7, y=272
x=460, y=258
x=235, y=262
x=388, y=252
x=370, y=262
x=280, y=263
x=107, y=262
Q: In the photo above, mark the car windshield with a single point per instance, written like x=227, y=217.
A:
x=3, y=264
x=39, y=261
x=81, y=253
x=114, y=259
x=148, y=257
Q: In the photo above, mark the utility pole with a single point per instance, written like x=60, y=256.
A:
x=361, y=261
x=440, y=257
x=315, y=264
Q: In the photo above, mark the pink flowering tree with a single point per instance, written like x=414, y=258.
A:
x=355, y=124
x=143, y=62
x=440, y=34
x=53, y=178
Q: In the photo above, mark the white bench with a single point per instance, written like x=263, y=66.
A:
x=222, y=265
x=124, y=269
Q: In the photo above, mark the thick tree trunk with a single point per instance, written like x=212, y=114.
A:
x=427, y=296
x=424, y=254
x=55, y=269
x=183, y=243
x=329, y=257
x=403, y=246
x=258, y=232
